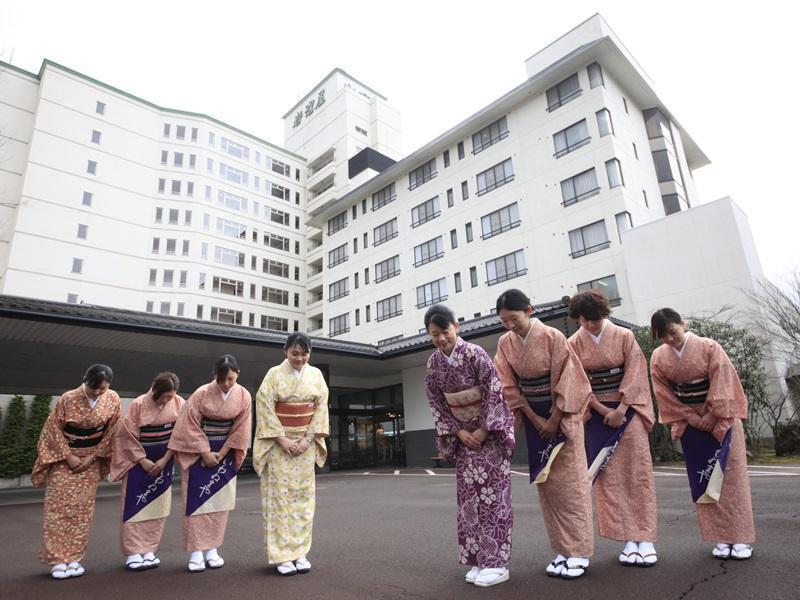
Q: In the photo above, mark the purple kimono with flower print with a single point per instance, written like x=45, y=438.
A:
x=483, y=477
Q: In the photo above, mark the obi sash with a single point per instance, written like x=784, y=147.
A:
x=79, y=437
x=691, y=392
x=212, y=489
x=295, y=415
x=147, y=497
x=705, y=459
x=466, y=404
x=606, y=381
x=541, y=453
x=602, y=440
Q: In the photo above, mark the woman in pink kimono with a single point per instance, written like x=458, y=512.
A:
x=546, y=387
x=210, y=438
x=700, y=396
x=475, y=428
x=143, y=462
x=620, y=418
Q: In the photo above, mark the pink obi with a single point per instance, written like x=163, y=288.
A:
x=466, y=404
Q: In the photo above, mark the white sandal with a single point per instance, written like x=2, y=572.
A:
x=134, y=562
x=492, y=576
x=472, y=574
x=555, y=566
x=721, y=550
x=151, y=561
x=574, y=567
x=286, y=568
x=647, y=555
x=741, y=551
x=59, y=571
x=628, y=555
x=302, y=565
x=75, y=569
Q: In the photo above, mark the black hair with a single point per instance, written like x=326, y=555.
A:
x=659, y=322
x=298, y=339
x=97, y=374
x=163, y=383
x=439, y=315
x=513, y=299
x=591, y=304
x=225, y=363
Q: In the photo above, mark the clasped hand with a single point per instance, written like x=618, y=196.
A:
x=472, y=440
x=294, y=447
x=79, y=465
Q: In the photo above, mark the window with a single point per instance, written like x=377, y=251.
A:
x=624, y=222
x=179, y=307
x=366, y=242
x=168, y=278
x=473, y=276
x=231, y=229
x=230, y=287
x=460, y=149
x=360, y=130
x=588, y=239
x=194, y=134
x=156, y=243
x=177, y=159
x=464, y=190
x=280, y=167
x=100, y=108
x=505, y=267
x=644, y=197
x=278, y=242
x=91, y=167
x=383, y=197
x=278, y=191
x=229, y=257
x=273, y=267
x=663, y=164
x=166, y=130
x=176, y=187
x=185, y=249
x=422, y=174
x=164, y=157
x=571, y=138
x=148, y=306
x=579, y=187
x=162, y=183
x=468, y=231
x=607, y=285
x=338, y=289
x=87, y=198
x=498, y=175
x=232, y=174
x=226, y=315
x=274, y=295
x=203, y=250
x=457, y=281
x=337, y=256
x=159, y=214
x=446, y=158
x=153, y=277
x=354, y=211
x=274, y=323
x=234, y=149
x=355, y=281
x=278, y=216
x=173, y=216
x=183, y=277
x=499, y=221
x=595, y=73
x=387, y=268
x=358, y=317
x=560, y=94
x=355, y=245
x=232, y=201
x=72, y=298
x=339, y=325
x=425, y=212
x=431, y=293
x=428, y=251
x=180, y=132
x=199, y=311
x=614, y=172
x=489, y=135
x=83, y=230
x=77, y=265
x=190, y=188
x=96, y=136
x=210, y=165
x=625, y=104
x=604, y=124
x=366, y=309
x=388, y=308
x=450, y=198
x=337, y=223
x=635, y=151
x=453, y=239
x=366, y=276
x=171, y=245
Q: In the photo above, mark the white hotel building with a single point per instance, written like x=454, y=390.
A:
x=580, y=176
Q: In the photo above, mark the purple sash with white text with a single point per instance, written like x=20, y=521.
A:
x=602, y=440
x=212, y=489
x=705, y=459
x=144, y=494
x=541, y=453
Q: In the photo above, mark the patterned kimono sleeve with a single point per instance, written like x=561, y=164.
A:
x=52, y=447
x=128, y=449
x=188, y=437
x=444, y=422
x=106, y=445
x=571, y=388
x=508, y=379
x=320, y=424
x=635, y=388
x=268, y=426
x=671, y=411
x=495, y=415
x=239, y=436
x=726, y=399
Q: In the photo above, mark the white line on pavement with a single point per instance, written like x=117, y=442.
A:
x=429, y=472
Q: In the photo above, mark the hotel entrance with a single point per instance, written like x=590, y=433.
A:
x=367, y=428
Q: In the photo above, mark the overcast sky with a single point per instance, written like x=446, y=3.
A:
x=730, y=75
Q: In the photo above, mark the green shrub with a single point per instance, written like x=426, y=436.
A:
x=12, y=440
x=40, y=409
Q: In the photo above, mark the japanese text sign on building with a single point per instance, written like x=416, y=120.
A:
x=311, y=105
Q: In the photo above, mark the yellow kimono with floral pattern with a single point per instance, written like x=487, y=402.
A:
x=287, y=482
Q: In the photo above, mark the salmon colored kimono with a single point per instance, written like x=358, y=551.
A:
x=565, y=496
x=73, y=427
x=294, y=405
x=730, y=520
x=625, y=490
x=209, y=422
x=143, y=432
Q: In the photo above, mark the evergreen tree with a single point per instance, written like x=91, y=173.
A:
x=40, y=409
x=12, y=442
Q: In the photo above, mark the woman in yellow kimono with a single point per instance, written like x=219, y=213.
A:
x=74, y=454
x=291, y=424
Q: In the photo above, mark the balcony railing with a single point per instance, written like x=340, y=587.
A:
x=506, y=276
x=499, y=230
x=569, y=148
x=590, y=249
x=426, y=260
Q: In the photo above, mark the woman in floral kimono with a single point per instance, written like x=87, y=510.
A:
x=292, y=424
x=546, y=387
x=144, y=464
x=210, y=439
x=475, y=428
x=699, y=394
x=74, y=453
x=620, y=418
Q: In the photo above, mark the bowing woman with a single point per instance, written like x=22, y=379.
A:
x=292, y=423
x=699, y=394
x=210, y=439
x=544, y=383
x=73, y=455
x=144, y=464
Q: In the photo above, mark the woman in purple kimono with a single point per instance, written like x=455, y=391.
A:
x=475, y=428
